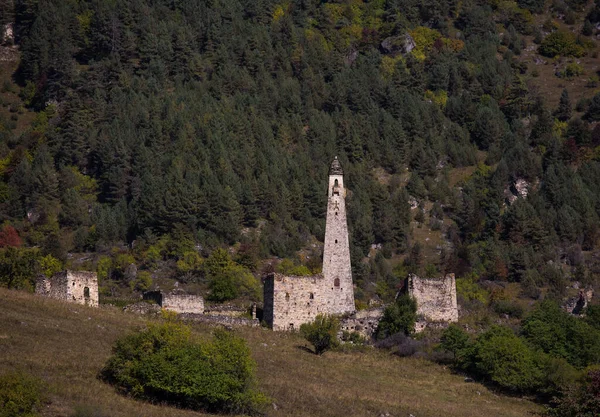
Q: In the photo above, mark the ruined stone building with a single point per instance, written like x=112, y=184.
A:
x=290, y=301
x=436, y=299
x=178, y=301
x=74, y=286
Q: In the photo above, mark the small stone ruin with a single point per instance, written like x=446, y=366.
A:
x=178, y=301
x=79, y=287
x=436, y=300
x=363, y=322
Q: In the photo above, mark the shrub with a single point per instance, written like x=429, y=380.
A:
x=592, y=316
x=593, y=111
x=227, y=279
x=142, y=282
x=321, y=333
x=561, y=43
x=581, y=401
x=509, y=308
x=456, y=341
x=400, y=344
x=20, y=395
x=288, y=267
x=571, y=70
x=400, y=317
x=561, y=335
x=17, y=267
x=166, y=363
x=505, y=359
x=468, y=288
x=353, y=337
x=583, y=104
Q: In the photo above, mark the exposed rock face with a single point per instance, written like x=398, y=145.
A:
x=576, y=305
x=73, y=286
x=131, y=272
x=436, y=299
x=402, y=44
x=177, y=301
x=522, y=188
x=518, y=189
x=8, y=34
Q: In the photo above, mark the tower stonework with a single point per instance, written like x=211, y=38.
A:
x=337, y=270
x=290, y=301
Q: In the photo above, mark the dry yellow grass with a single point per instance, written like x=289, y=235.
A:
x=66, y=345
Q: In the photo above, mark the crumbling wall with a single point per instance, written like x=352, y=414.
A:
x=183, y=303
x=226, y=321
x=436, y=299
x=177, y=301
x=73, y=286
x=363, y=322
x=290, y=301
x=228, y=310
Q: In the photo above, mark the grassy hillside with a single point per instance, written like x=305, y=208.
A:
x=66, y=345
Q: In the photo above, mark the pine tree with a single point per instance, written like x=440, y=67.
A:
x=587, y=29
x=565, y=109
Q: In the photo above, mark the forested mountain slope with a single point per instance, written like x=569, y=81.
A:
x=177, y=127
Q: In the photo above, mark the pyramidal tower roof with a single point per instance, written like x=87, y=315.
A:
x=336, y=167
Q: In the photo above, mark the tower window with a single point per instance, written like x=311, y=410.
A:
x=336, y=241
x=311, y=296
x=336, y=282
x=287, y=296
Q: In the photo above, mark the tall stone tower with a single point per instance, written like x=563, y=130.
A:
x=337, y=272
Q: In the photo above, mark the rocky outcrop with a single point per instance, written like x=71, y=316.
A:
x=518, y=189
x=402, y=44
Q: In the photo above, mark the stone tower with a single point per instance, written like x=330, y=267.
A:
x=336, y=252
x=291, y=301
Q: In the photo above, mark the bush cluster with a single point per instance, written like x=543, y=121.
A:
x=322, y=333
x=561, y=43
x=166, y=363
x=400, y=317
x=543, y=359
x=20, y=395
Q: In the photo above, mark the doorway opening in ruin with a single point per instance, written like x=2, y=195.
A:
x=86, y=293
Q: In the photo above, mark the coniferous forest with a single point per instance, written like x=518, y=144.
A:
x=192, y=139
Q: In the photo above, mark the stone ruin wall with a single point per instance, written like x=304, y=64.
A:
x=70, y=286
x=177, y=301
x=183, y=303
x=363, y=322
x=290, y=301
x=436, y=299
